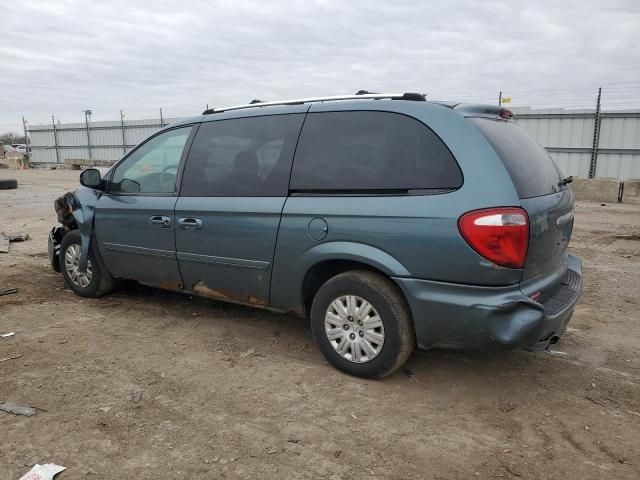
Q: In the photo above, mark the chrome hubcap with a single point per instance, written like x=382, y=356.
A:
x=354, y=328
x=72, y=266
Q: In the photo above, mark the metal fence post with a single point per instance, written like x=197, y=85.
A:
x=124, y=142
x=87, y=115
x=55, y=139
x=596, y=137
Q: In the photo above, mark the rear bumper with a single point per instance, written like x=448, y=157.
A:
x=465, y=316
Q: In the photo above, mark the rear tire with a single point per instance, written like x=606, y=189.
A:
x=377, y=336
x=97, y=281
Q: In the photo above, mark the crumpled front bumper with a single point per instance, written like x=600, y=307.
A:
x=55, y=238
x=466, y=316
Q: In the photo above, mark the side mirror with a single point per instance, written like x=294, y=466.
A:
x=91, y=178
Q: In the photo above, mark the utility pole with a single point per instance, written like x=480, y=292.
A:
x=26, y=136
x=55, y=139
x=87, y=118
x=161, y=119
x=124, y=142
x=500, y=98
x=596, y=137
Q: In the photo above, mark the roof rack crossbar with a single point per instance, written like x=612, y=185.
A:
x=369, y=96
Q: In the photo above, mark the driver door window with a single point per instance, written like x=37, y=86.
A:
x=153, y=167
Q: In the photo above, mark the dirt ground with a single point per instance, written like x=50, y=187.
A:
x=147, y=384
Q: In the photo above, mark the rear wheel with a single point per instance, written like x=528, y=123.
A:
x=362, y=324
x=96, y=281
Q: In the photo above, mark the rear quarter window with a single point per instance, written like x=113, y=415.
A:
x=532, y=170
x=371, y=151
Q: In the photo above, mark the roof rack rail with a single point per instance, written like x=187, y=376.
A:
x=358, y=96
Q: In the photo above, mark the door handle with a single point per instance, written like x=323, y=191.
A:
x=190, y=223
x=160, y=221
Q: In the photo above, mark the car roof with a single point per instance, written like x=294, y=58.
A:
x=353, y=103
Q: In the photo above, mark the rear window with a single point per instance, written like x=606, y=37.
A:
x=533, y=171
x=371, y=151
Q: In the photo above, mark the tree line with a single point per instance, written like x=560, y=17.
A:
x=9, y=138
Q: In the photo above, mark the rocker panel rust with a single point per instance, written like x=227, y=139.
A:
x=171, y=285
x=201, y=288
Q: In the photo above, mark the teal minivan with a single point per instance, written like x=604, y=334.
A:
x=389, y=221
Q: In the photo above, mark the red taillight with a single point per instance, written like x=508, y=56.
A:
x=498, y=234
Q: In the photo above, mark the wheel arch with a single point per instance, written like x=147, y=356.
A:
x=333, y=258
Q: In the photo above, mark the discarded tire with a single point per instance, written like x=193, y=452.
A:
x=8, y=183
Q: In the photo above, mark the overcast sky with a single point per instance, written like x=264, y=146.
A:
x=61, y=57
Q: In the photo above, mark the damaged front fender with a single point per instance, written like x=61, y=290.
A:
x=76, y=210
x=87, y=199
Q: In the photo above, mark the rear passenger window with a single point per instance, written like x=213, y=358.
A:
x=242, y=157
x=371, y=151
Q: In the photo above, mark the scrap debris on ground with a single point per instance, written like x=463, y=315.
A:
x=628, y=236
x=17, y=237
x=17, y=409
x=6, y=238
x=43, y=472
x=14, y=357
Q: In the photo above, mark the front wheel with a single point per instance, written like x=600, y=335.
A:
x=362, y=325
x=96, y=281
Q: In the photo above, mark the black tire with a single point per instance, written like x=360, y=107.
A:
x=101, y=280
x=8, y=183
x=387, y=299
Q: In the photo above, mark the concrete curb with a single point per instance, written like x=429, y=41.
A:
x=76, y=163
x=631, y=191
x=596, y=189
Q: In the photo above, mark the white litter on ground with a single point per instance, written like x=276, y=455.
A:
x=43, y=472
x=16, y=408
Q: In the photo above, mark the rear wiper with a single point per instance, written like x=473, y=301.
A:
x=565, y=181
